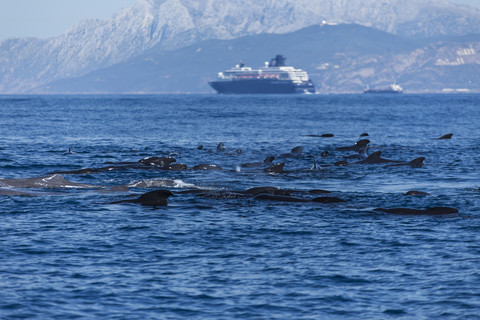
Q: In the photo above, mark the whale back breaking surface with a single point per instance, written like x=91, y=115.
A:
x=51, y=181
x=156, y=198
x=375, y=158
x=427, y=211
x=355, y=147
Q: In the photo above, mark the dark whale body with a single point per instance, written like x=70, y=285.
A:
x=267, y=161
x=328, y=200
x=445, y=136
x=318, y=191
x=221, y=147
x=176, y=167
x=375, y=158
x=294, y=153
x=415, y=163
x=157, y=161
x=272, y=197
x=276, y=168
x=362, y=154
x=356, y=147
x=416, y=193
x=267, y=190
x=428, y=211
x=324, y=135
x=153, y=198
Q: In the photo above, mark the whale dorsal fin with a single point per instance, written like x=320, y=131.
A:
x=374, y=157
x=447, y=136
x=297, y=150
x=269, y=159
x=418, y=162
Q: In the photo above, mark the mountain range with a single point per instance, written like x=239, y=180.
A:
x=339, y=58
x=178, y=45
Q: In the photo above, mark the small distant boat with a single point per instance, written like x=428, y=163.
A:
x=393, y=88
x=274, y=77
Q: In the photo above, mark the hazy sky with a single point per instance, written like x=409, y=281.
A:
x=49, y=18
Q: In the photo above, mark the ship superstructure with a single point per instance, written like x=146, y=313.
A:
x=393, y=88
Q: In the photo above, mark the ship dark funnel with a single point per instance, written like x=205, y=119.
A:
x=278, y=61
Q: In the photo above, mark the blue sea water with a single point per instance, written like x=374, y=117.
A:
x=68, y=253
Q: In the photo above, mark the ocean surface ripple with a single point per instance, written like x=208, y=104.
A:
x=71, y=250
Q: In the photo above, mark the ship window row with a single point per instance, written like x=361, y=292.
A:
x=284, y=75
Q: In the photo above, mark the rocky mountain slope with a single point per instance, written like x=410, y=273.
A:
x=340, y=59
x=171, y=24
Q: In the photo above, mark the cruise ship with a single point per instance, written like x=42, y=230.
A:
x=393, y=88
x=274, y=77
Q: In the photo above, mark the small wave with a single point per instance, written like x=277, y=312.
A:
x=157, y=183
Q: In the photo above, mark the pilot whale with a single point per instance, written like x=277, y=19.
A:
x=356, y=147
x=276, y=168
x=267, y=161
x=267, y=190
x=445, y=137
x=221, y=147
x=362, y=154
x=375, y=158
x=417, y=193
x=415, y=163
x=153, y=198
x=70, y=151
x=427, y=211
x=294, y=153
x=273, y=197
x=323, y=135
x=51, y=181
x=157, y=161
x=327, y=200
